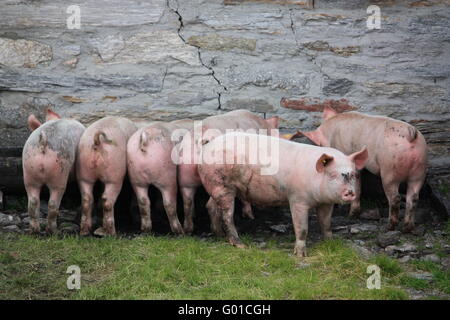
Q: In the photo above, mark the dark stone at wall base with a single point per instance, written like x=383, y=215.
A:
x=440, y=193
x=389, y=238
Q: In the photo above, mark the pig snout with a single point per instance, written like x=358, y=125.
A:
x=348, y=195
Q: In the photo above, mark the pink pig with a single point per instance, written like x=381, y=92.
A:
x=305, y=177
x=188, y=178
x=102, y=156
x=397, y=153
x=48, y=159
x=149, y=162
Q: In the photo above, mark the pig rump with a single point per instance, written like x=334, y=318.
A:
x=48, y=159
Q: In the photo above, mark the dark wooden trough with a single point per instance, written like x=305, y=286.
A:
x=11, y=176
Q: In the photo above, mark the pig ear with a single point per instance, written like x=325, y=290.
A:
x=274, y=122
x=33, y=122
x=315, y=136
x=360, y=158
x=51, y=115
x=328, y=112
x=292, y=136
x=323, y=162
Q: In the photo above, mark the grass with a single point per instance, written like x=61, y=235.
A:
x=389, y=266
x=398, y=275
x=184, y=268
x=444, y=188
x=441, y=278
x=18, y=204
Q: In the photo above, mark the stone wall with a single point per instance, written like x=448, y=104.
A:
x=172, y=59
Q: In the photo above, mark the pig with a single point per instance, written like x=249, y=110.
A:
x=306, y=177
x=149, y=163
x=211, y=127
x=102, y=156
x=48, y=159
x=397, y=153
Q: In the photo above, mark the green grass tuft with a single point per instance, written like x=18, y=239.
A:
x=388, y=266
x=441, y=277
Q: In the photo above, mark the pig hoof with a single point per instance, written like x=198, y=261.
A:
x=237, y=243
x=218, y=231
x=34, y=231
x=391, y=226
x=178, y=230
x=100, y=232
x=188, y=230
x=219, y=234
x=240, y=245
x=408, y=228
x=51, y=231
x=84, y=233
x=328, y=236
x=354, y=214
x=146, y=230
x=300, y=252
x=248, y=215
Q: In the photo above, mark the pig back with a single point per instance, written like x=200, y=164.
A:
x=350, y=132
x=238, y=119
x=61, y=136
x=126, y=126
x=164, y=130
x=118, y=129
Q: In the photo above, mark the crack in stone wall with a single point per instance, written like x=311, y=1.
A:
x=180, y=28
x=300, y=47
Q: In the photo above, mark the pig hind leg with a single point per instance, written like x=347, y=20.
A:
x=215, y=218
x=56, y=194
x=169, y=195
x=57, y=187
x=109, y=198
x=412, y=198
x=391, y=190
x=144, y=207
x=87, y=203
x=33, y=193
x=188, y=195
x=225, y=208
x=247, y=211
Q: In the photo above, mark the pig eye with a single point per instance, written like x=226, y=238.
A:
x=333, y=175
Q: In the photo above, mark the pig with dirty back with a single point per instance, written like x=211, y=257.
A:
x=149, y=163
x=211, y=127
x=48, y=159
x=102, y=156
x=301, y=175
x=397, y=153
